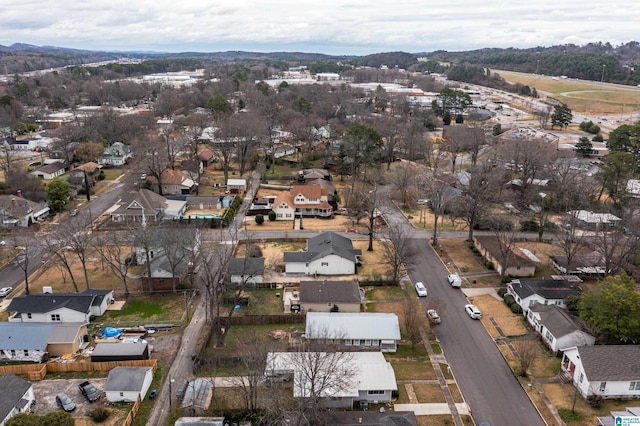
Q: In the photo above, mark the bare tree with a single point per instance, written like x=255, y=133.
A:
x=80, y=241
x=398, y=249
x=571, y=240
x=57, y=245
x=527, y=351
x=403, y=178
x=177, y=245
x=254, y=359
x=543, y=114
x=476, y=196
x=506, y=239
x=28, y=250
x=116, y=253
x=146, y=241
x=412, y=322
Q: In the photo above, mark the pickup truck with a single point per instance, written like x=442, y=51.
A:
x=89, y=391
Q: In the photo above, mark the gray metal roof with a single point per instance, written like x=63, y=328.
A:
x=12, y=389
x=352, y=325
x=248, y=267
x=114, y=349
x=124, y=379
x=64, y=333
x=21, y=336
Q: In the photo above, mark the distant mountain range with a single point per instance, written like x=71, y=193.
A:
x=591, y=61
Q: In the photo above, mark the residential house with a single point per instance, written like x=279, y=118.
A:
x=505, y=259
x=17, y=396
x=354, y=331
x=16, y=211
x=246, y=270
x=557, y=328
x=60, y=307
x=206, y=156
x=327, y=296
x=236, y=186
x=325, y=254
x=193, y=169
x=50, y=171
x=34, y=342
x=312, y=174
x=593, y=221
x=173, y=182
x=545, y=292
x=146, y=206
x=115, y=155
x=169, y=265
x=368, y=376
x=586, y=264
x=608, y=371
x=200, y=421
x=65, y=338
x=126, y=384
x=303, y=201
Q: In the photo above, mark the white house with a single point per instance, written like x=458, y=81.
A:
x=126, y=384
x=236, y=186
x=116, y=155
x=545, y=292
x=556, y=328
x=354, y=330
x=50, y=171
x=351, y=376
x=594, y=221
x=326, y=254
x=246, y=270
x=303, y=200
x=33, y=342
x=60, y=307
x=609, y=371
x=16, y=397
x=17, y=211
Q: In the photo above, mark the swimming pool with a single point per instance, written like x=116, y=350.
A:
x=205, y=216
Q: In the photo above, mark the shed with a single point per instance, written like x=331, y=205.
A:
x=106, y=352
x=125, y=384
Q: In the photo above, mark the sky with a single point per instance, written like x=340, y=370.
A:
x=337, y=27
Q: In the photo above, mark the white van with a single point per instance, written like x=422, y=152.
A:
x=454, y=280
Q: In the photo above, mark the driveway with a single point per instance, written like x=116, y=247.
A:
x=46, y=391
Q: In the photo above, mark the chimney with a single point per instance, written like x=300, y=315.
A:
x=19, y=193
x=13, y=201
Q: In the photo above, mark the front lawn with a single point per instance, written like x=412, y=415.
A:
x=169, y=308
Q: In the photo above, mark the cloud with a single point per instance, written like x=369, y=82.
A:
x=337, y=27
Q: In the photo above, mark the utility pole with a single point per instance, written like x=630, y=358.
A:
x=603, y=68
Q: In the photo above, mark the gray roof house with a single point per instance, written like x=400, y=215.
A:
x=17, y=211
x=144, y=206
x=609, y=371
x=324, y=296
x=50, y=171
x=618, y=416
x=557, y=328
x=16, y=396
x=60, y=307
x=354, y=330
x=546, y=292
x=246, y=270
x=326, y=254
x=33, y=342
x=126, y=384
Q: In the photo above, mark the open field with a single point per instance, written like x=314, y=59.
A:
x=589, y=97
x=510, y=323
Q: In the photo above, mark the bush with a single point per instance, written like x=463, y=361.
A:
x=488, y=264
x=529, y=226
x=494, y=224
x=259, y=219
x=272, y=216
x=100, y=414
x=508, y=300
x=502, y=291
x=516, y=309
x=595, y=401
x=569, y=416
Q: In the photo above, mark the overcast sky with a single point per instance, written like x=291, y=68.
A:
x=331, y=26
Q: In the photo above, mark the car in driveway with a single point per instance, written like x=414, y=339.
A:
x=473, y=311
x=89, y=391
x=433, y=316
x=4, y=291
x=454, y=280
x=421, y=289
x=64, y=402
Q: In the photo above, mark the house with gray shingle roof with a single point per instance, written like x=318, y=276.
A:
x=324, y=296
x=33, y=342
x=609, y=371
x=146, y=206
x=249, y=270
x=115, y=154
x=16, y=396
x=326, y=254
x=17, y=211
x=60, y=307
x=545, y=292
x=557, y=328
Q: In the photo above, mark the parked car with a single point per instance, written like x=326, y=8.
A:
x=4, y=291
x=433, y=316
x=89, y=391
x=454, y=280
x=421, y=289
x=143, y=176
x=473, y=311
x=66, y=403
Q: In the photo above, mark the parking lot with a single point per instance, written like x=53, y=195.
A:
x=46, y=391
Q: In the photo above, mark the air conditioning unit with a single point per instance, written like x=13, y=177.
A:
x=47, y=290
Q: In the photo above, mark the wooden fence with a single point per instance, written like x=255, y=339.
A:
x=39, y=371
x=133, y=412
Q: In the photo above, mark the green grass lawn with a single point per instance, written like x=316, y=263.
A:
x=111, y=174
x=384, y=293
x=413, y=370
x=147, y=310
x=264, y=302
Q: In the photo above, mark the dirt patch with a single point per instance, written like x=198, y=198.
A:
x=510, y=323
x=428, y=393
x=165, y=346
x=462, y=256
